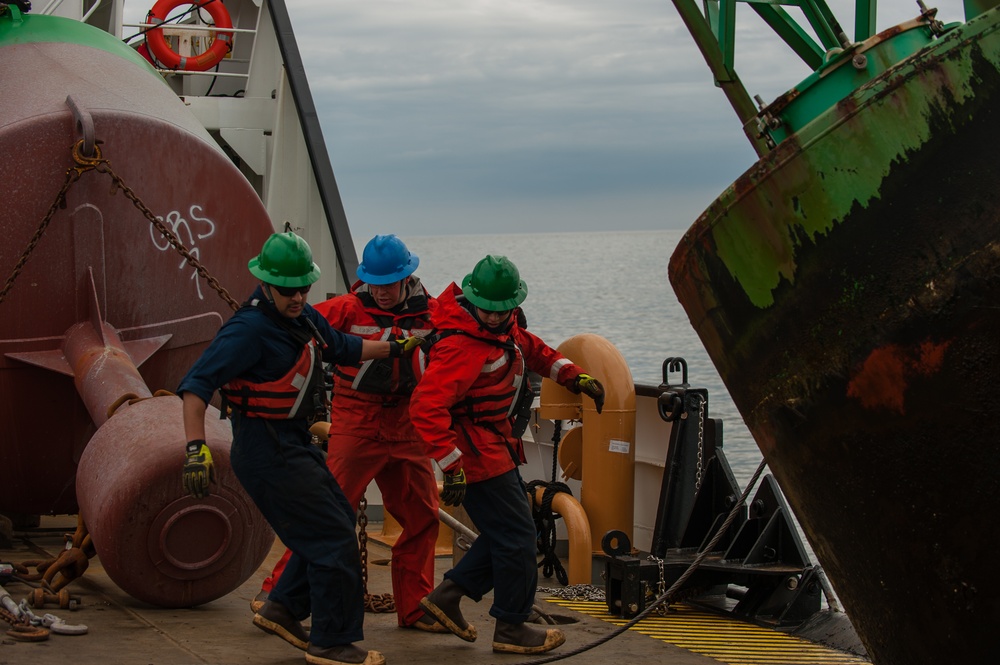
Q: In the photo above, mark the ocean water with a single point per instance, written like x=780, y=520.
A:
x=612, y=284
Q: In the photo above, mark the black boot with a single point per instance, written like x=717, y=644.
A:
x=522, y=638
x=443, y=604
x=277, y=620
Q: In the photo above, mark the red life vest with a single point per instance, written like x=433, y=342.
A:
x=291, y=396
x=372, y=379
x=300, y=393
x=500, y=392
x=494, y=398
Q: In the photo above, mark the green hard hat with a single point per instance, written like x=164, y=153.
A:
x=495, y=285
x=285, y=260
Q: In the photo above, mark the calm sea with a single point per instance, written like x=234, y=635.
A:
x=613, y=284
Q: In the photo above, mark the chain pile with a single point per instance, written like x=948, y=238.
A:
x=575, y=592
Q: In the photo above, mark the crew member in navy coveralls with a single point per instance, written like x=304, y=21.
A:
x=267, y=362
x=463, y=406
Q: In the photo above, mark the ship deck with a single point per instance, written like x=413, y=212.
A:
x=122, y=629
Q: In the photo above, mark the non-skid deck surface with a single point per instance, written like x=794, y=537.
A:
x=724, y=639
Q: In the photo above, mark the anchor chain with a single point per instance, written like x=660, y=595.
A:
x=374, y=603
x=69, y=565
x=98, y=163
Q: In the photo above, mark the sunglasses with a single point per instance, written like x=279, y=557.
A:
x=290, y=291
x=484, y=313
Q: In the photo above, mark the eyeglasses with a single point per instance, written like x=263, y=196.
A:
x=290, y=291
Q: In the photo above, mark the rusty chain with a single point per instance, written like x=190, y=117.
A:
x=69, y=565
x=375, y=603
x=21, y=627
x=72, y=175
x=100, y=164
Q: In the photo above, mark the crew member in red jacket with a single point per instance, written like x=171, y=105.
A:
x=462, y=408
x=371, y=436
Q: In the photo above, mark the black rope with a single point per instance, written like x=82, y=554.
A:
x=556, y=438
x=545, y=528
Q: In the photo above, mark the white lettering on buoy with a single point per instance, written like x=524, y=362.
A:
x=187, y=236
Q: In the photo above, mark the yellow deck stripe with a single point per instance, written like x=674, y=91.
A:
x=727, y=640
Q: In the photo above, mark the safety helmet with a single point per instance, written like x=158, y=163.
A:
x=495, y=285
x=284, y=260
x=386, y=260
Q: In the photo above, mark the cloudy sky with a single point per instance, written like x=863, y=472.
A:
x=492, y=116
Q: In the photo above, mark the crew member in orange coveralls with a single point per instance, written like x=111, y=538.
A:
x=371, y=436
x=476, y=371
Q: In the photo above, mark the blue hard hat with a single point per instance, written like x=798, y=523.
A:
x=386, y=260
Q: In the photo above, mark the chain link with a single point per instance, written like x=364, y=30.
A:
x=72, y=175
x=11, y=618
x=101, y=165
x=20, y=623
x=701, y=444
x=661, y=584
x=375, y=603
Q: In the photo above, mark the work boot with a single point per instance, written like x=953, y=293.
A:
x=443, y=604
x=428, y=624
x=343, y=654
x=258, y=601
x=277, y=620
x=522, y=638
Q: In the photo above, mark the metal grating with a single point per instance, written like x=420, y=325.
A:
x=727, y=640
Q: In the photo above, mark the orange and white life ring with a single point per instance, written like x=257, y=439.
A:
x=170, y=59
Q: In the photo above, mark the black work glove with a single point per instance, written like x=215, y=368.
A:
x=453, y=492
x=400, y=347
x=591, y=387
x=198, y=469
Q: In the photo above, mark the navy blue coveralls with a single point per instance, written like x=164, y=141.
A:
x=286, y=476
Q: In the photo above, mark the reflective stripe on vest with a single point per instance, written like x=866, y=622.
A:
x=280, y=399
x=492, y=397
x=384, y=376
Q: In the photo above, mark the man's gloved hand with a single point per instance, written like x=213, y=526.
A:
x=453, y=492
x=590, y=386
x=404, y=345
x=198, y=469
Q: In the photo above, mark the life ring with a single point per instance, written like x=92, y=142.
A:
x=213, y=55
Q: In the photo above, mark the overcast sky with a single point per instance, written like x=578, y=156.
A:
x=493, y=116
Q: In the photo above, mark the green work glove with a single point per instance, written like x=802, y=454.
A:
x=591, y=387
x=404, y=345
x=453, y=492
x=198, y=469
